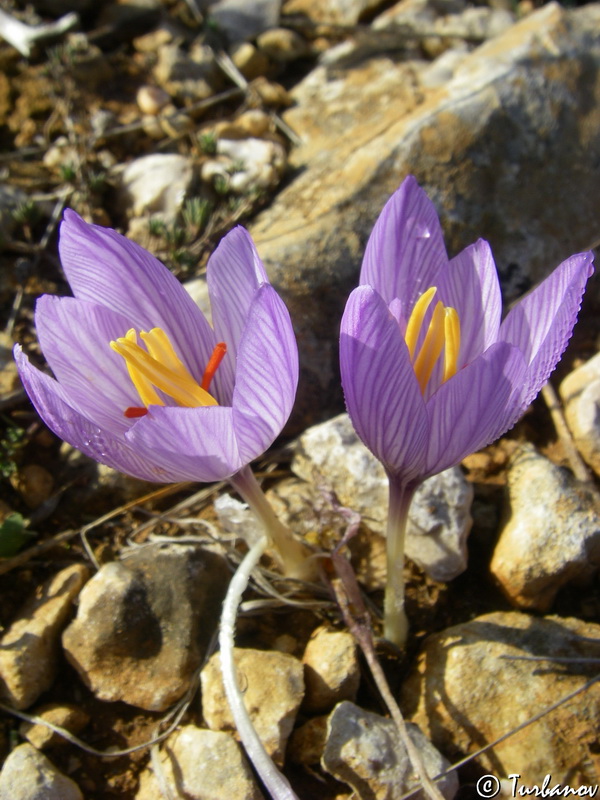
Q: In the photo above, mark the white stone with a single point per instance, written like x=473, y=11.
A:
x=331, y=670
x=273, y=690
x=29, y=775
x=201, y=765
x=580, y=392
x=466, y=691
x=156, y=184
x=332, y=455
x=552, y=536
x=365, y=751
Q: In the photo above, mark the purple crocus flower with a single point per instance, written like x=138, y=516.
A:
x=143, y=383
x=429, y=370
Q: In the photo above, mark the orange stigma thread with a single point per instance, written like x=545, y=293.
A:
x=135, y=411
x=218, y=354
x=443, y=333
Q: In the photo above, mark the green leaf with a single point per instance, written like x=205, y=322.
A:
x=13, y=535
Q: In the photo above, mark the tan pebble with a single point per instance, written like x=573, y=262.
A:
x=70, y=717
x=282, y=44
x=272, y=94
x=151, y=99
x=250, y=61
x=34, y=484
x=307, y=743
x=254, y=121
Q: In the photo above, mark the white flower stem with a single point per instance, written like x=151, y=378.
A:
x=292, y=555
x=277, y=784
x=395, y=623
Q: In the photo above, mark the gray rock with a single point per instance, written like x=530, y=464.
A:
x=144, y=624
x=244, y=19
x=201, y=765
x=155, y=184
x=552, y=536
x=365, y=128
x=465, y=692
x=273, y=690
x=29, y=775
x=364, y=750
x=331, y=455
x=580, y=392
x=331, y=670
x=30, y=648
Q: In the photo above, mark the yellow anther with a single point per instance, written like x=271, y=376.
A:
x=415, y=321
x=159, y=367
x=452, y=343
x=431, y=347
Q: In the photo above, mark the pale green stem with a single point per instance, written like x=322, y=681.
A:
x=395, y=619
x=292, y=555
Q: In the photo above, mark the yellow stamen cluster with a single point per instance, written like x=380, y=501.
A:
x=159, y=367
x=443, y=333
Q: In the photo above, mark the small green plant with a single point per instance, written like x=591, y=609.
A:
x=208, y=143
x=14, y=535
x=221, y=184
x=10, y=444
x=97, y=181
x=26, y=213
x=156, y=227
x=196, y=213
x=67, y=171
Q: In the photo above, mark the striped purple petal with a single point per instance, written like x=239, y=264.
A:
x=105, y=268
x=381, y=391
x=405, y=251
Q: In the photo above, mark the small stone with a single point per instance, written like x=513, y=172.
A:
x=466, y=691
x=307, y=742
x=332, y=455
x=144, y=623
x=156, y=184
x=182, y=76
x=34, y=484
x=202, y=765
x=332, y=12
x=70, y=717
x=254, y=122
x=235, y=517
x=365, y=751
x=552, y=536
x=580, y=392
x=151, y=99
x=282, y=44
x=258, y=162
x=272, y=94
x=273, y=688
x=331, y=670
x=250, y=61
x=29, y=650
x=245, y=19
x=29, y=775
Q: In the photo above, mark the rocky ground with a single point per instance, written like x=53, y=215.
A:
x=172, y=122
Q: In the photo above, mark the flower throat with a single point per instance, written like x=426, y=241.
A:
x=443, y=333
x=159, y=367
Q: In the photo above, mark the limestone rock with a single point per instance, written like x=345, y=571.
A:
x=332, y=12
x=331, y=670
x=144, y=623
x=30, y=648
x=365, y=751
x=464, y=693
x=201, y=765
x=156, y=184
x=307, y=742
x=580, y=392
x=363, y=129
x=552, y=536
x=244, y=19
x=332, y=455
x=70, y=717
x=29, y=775
x=273, y=690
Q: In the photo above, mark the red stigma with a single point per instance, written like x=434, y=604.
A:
x=213, y=362
x=135, y=411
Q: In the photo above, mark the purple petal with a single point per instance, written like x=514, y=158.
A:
x=267, y=374
x=53, y=406
x=466, y=412
x=74, y=336
x=470, y=285
x=192, y=444
x=107, y=269
x=541, y=324
x=234, y=273
x=406, y=248
x=382, y=394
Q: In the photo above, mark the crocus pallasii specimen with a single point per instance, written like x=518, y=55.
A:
x=429, y=370
x=144, y=384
